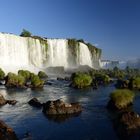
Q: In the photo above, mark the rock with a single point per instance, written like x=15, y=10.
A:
x=11, y=102
x=6, y=132
x=2, y=100
x=58, y=107
x=130, y=120
x=34, y=102
x=60, y=79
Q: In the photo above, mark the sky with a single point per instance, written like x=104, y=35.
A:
x=112, y=25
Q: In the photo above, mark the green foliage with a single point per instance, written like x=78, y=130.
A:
x=81, y=80
x=25, y=74
x=25, y=33
x=2, y=74
x=122, y=98
x=36, y=82
x=13, y=80
x=135, y=83
x=73, y=46
x=42, y=75
x=101, y=78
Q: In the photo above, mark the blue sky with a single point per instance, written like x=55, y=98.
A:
x=113, y=25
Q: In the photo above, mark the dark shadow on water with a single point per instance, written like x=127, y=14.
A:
x=61, y=118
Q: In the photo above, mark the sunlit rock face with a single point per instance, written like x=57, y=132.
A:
x=34, y=54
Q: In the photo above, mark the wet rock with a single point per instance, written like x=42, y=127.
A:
x=35, y=102
x=62, y=118
x=11, y=102
x=6, y=132
x=3, y=101
x=130, y=120
x=59, y=107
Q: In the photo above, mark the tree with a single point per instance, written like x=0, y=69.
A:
x=25, y=33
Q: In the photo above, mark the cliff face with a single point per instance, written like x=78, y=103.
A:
x=25, y=52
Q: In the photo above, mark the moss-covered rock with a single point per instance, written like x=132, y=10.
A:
x=25, y=73
x=134, y=83
x=120, y=99
x=13, y=80
x=81, y=80
x=42, y=75
x=36, y=82
x=2, y=74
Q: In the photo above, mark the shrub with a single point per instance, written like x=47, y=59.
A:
x=135, y=83
x=25, y=33
x=42, y=75
x=13, y=80
x=36, y=82
x=101, y=78
x=2, y=74
x=25, y=73
x=121, y=98
x=81, y=80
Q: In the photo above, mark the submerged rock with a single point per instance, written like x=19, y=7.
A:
x=6, y=132
x=58, y=107
x=35, y=102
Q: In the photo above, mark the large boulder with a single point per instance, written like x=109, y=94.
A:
x=35, y=103
x=58, y=107
x=6, y=132
x=120, y=99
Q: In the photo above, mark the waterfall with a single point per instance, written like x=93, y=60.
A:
x=28, y=53
x=57, y=52
x=84, y=56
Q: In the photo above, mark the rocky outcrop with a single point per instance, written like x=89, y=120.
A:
x=130, y=120
x=58, y=107
x=35, y=103
x=6, y=132
x=3, y=101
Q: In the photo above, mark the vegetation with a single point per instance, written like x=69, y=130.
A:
x=101, y=79
x=81, y=80
x=13, y=80
x=36, y=82
x=121, y=98
x=25, y=73
x=25, y=33
x=2, y=74
x=42, y=75
x=134, y=83
x=73, y=46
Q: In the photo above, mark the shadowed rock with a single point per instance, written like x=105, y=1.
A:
x=11, y=102
x=6, y=132
x=35, y=102
x=59, y=107
x=3, y=101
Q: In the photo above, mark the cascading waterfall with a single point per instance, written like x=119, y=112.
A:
x=28, y=53
x=84, y=55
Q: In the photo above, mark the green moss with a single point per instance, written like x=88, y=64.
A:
x=36, y=82
x=81, y=80
x=134, y=83
x=73, y=46
x=42, y=75
x=13, y=80
x=122, y=98
x=25, y=74
x=2, y=74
